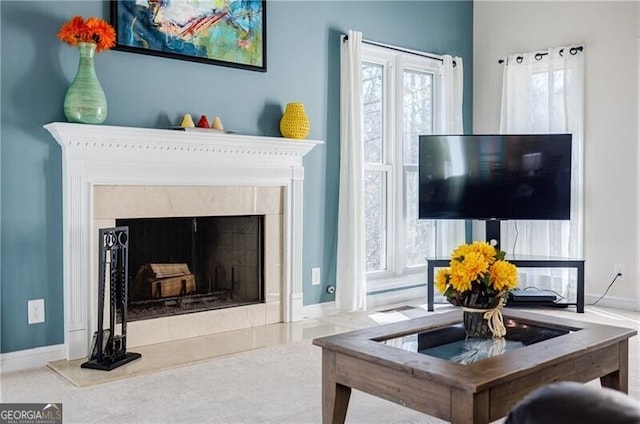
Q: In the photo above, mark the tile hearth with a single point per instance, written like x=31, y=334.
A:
x=162, y=356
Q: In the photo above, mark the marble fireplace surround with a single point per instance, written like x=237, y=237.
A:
x=224, y=174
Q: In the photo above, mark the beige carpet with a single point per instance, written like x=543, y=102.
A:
x=278, y=384
x=274, y=384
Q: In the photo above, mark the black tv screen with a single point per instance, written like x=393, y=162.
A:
x=524, y=177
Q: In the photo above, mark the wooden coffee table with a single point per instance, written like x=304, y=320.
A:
x=480, y=392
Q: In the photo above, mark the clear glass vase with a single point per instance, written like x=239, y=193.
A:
x=85, y=101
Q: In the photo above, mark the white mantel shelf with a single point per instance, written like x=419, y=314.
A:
x=78, y=140
x=111, y=155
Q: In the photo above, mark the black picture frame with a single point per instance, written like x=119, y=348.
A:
x=235, y=36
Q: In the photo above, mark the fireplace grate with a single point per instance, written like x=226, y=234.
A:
x=177, y=305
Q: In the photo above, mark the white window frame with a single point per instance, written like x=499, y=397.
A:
x=394, y=64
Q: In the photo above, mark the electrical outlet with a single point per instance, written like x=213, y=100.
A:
x=619, y=269
x=315, y=276
x=36, y=311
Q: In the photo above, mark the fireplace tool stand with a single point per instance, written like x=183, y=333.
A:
x=109, y=347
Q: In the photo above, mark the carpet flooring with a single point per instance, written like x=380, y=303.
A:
x=274, y=384
x=278, y=384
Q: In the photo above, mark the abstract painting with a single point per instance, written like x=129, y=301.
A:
x=221, y=32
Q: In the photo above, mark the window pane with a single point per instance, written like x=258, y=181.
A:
x=418, y=112
x=557, y=120
x=375, y=220
x=418, y=119
x=417, y=230
x=547, y=100
x=372, y=112
x=539, y=102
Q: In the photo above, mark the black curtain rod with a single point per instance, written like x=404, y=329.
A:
x=399, y=49
x=538, y=56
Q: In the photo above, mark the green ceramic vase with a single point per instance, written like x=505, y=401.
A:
x=85, y=101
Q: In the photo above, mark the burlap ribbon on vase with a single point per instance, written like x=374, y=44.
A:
x=493, y=317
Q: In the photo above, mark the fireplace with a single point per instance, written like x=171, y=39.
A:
x=193, y=264
x=161, y=204
x=119, y=173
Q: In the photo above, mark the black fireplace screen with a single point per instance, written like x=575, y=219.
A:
x=191, y=264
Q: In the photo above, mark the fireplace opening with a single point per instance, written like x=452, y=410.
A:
x=192, y=264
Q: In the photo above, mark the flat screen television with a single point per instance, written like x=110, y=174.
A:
x=495, y=177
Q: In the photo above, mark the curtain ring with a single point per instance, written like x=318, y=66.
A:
x=573, y=51
x=538, y=56
x=519, y=59
x=561, y=52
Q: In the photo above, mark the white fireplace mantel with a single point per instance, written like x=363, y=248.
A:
x=111, y=155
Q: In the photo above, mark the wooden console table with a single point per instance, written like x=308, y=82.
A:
x=521, y=262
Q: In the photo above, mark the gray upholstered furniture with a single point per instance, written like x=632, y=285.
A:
x=569, y=402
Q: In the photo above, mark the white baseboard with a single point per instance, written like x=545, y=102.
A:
x=397, y=296
x=30, y=358
x=320, y=310
x=612, y=302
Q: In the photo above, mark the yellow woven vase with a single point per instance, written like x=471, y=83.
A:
x=294, y=122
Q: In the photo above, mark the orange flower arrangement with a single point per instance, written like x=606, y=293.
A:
x=90, y=30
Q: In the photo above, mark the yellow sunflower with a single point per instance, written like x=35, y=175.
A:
x=459, y=279
x=484, y=249
x=503, y=275
x=442, y=279
x=473, y=266
x=460, y=251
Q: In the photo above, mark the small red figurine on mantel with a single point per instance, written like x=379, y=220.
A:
x=203, y=122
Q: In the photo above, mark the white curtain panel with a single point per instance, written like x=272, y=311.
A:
x=543, y=92
x=450, y=233
x=351, y=287
x=452, y=85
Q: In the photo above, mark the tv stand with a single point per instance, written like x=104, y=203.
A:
x=521, y=262
x=492, y=232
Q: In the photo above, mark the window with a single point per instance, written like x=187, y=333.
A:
x=399, y=92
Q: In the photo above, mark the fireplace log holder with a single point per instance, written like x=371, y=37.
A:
x=109, y=347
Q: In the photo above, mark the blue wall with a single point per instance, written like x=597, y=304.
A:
x=146, y=91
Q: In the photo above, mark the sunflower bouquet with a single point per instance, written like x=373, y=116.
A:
x=478, y=279
x=477, y=273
